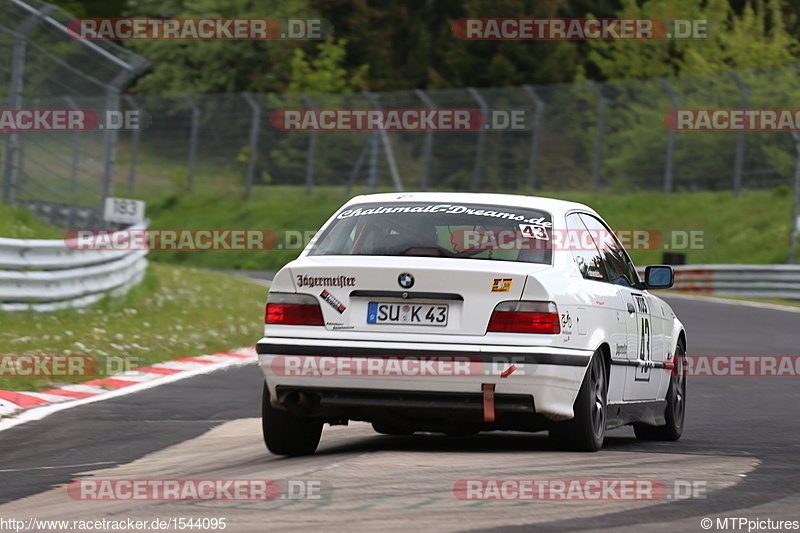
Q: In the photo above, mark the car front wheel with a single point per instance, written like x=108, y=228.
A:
x=286, y=433
x=586, y=431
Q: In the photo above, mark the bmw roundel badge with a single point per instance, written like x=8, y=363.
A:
x=405, y=280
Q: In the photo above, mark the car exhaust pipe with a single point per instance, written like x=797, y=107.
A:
x=302, y=400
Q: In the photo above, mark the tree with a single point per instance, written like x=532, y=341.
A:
x=754, y=38
x=324, y=74
x=217, y=66
x=511, y=62
x=634, y=140
x=398, y=39
x=92, y=8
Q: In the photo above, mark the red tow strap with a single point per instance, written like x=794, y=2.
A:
x=488, y=402
x=488, y=396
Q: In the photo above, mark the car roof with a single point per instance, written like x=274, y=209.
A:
x=551, y=205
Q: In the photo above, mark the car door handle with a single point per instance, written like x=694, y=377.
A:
x=631, y=309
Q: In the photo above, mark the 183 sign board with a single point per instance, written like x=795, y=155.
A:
x=123, y=210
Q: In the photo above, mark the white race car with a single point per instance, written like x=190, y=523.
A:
x=459, y=313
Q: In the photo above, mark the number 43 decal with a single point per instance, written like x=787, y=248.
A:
x=645, y=354
x=644, y=344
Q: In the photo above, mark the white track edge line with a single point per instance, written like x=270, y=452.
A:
x=38, y=413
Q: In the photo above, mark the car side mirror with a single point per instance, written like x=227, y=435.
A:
x=659, y=277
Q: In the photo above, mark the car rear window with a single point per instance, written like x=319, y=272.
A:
x=467, y=231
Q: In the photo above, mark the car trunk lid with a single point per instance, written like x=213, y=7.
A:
x=410, y=295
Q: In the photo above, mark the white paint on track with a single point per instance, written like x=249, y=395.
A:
x=39, y=412
x=58, y=467
x=89, y=389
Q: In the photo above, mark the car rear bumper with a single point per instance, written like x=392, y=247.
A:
x=327, y=377
x=403, y=408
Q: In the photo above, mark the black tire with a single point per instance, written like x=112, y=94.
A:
x=461, y=433
x=288, y=434
x=676, y=406
x=390, y=430
x=586, y=431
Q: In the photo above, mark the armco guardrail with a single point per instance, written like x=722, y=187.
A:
x=68, y=215
x=751, y=281
x=44, y=274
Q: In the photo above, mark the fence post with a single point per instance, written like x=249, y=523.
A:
x=794, y=232
x=20, y=174
x=537, y=127
x=255, y=124
x=109, y=147
x=312, y=149
x=476, y=178
x=738, y=163
x=427, y=151
x=15, y=97
x=134, y=145
x=356, y=168
x=387, y=147
x=598, y=137
x=374, y=148
x=113, y=90
x=76, y=148
x=193, y=132
x=669, y=165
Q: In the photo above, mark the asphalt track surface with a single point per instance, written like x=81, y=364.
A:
x=741, y=442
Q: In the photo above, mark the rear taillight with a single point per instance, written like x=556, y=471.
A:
x=525, y=317
x=293, y=309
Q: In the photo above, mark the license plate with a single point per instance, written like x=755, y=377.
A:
x=416, y=314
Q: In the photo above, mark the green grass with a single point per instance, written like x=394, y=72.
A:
x=20, y=223
x=175, y=312
x=750, y=228
x=276, y=208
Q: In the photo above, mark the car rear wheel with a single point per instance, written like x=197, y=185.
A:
x=286, y=433
x=586, y=431
x=676, y=406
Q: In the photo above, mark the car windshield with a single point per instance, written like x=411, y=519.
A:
x=468, y=231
